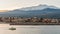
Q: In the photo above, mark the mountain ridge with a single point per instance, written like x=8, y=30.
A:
x=46, y=12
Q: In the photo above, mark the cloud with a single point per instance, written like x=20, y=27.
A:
x=14, y=4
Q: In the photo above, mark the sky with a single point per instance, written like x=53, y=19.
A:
x=15, y=4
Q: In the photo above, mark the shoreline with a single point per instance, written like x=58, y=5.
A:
x=8, y=26
x=31, y=24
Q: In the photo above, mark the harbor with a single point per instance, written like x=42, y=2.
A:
x=29, y=21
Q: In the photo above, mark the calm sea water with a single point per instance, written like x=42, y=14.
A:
x=29, y=29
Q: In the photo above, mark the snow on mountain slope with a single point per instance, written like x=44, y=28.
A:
x=39, y=7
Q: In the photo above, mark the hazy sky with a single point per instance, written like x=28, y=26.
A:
x=14, y=4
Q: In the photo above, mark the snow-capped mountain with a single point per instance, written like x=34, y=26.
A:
x=39, y=7
x=38, y=11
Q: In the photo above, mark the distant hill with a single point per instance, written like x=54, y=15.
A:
x=44, y=11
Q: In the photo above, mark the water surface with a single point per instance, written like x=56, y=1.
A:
x=29, y=29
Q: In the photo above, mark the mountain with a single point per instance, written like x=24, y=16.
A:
x=43, y=11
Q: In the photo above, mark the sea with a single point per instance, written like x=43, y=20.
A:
x=30, y=29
